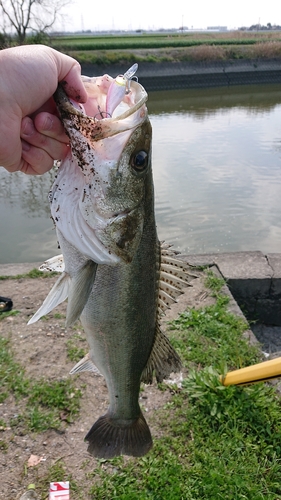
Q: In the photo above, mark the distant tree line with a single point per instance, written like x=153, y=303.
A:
x=260, y=27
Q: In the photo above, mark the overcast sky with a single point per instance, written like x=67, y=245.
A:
x=152, y=14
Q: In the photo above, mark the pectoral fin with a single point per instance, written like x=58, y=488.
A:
x=85, y=365
x=79, y=291
x=55, y=297
x=76, y=288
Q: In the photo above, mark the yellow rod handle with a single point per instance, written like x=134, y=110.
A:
x=255, y=373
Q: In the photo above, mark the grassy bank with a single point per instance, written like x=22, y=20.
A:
x=172, y=47
x=210, y=442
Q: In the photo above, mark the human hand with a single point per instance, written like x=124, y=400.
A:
x=31, y=135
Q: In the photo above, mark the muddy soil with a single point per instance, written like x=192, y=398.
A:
x=41, y=349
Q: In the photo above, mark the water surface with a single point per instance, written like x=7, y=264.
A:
x=217, y=174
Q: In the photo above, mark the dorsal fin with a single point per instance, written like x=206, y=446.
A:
x=163, y=359
x=175, y=275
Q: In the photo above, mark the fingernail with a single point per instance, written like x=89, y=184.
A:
x=25, y=146
x=48, y=124
x=28, y=127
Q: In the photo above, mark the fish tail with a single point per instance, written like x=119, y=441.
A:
x=107, y=438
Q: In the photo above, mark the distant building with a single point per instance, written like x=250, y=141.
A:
x=217, y=28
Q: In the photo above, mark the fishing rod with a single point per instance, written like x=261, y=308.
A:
x=261, y=372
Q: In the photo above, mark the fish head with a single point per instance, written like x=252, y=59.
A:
x=101, y=188
x=124, y=195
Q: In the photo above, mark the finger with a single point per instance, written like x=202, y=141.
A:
x=36, y=161
x=51, y=126
x=71, y=78
x=55, y=147
x=42, y=126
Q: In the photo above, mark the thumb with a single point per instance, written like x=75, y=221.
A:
x=70, y=76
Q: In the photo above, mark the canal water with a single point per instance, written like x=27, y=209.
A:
x=217, y=175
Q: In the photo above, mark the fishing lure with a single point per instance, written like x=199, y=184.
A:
x=119, y=88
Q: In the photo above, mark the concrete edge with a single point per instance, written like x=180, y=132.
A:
x=16, y=269
x=201, y=74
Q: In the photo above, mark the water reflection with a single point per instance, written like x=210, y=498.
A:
x=217, y=173
x=228, y=175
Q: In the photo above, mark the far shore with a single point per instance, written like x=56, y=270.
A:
x=184, y=75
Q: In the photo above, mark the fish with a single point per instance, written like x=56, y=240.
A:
x=118, y=278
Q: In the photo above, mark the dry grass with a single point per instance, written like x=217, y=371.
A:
x=266, y=50
x=207, y=53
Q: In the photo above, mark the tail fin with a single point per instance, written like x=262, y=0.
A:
x=108, y=438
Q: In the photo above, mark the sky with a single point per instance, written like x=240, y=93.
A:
x=149, y=14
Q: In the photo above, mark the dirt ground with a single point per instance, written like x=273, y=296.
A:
x=41, y=349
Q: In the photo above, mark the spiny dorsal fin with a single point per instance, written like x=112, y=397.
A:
x=85, y=365
x=174, y=276
x=163, y=359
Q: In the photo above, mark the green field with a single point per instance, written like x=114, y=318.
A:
x=170, y=47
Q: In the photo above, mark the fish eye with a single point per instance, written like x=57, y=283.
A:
x=139, y=161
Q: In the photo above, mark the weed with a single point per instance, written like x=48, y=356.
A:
x=47, y=403
x=11, y=374
x=56, y=472
x=59, y=316
x=211, y=334
x=3, y=445
x=213, y=282
x=34, y=273
x=6, y=314
x=74, y=351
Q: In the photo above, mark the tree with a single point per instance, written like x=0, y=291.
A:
x=22, y=16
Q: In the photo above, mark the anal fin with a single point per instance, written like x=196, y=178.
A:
x=108, y=438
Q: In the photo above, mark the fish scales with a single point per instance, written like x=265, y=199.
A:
x=102, y=203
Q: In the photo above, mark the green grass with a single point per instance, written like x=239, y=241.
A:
x=75, y=348
x=6, y=314
x=212, y=335
x=46, y=404
x=154, y=41
x=33, y=273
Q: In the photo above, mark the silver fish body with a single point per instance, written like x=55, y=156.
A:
x=117, y=276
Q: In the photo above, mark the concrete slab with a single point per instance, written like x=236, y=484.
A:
x=237, y=265
x=269, y=337
x=274, y=261
x=253, y=278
